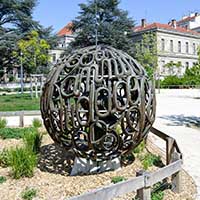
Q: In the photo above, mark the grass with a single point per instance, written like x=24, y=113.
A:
x=37, y=123
x=22, y=162
x=4, y=160
x=2, y=179
x=117, y=179
x=157, y=192
x=3, y=123
x=17, y=133
x=18, y=102
x=29, y=194
x=33, y=141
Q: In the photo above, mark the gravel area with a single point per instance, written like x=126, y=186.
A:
x=51, y=179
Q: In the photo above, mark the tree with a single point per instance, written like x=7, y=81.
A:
x=172, y=66
x=104, y=19
x=16, y=22
x=145, y=52
x=34, y=52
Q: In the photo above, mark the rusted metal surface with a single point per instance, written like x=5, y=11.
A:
x=99, y=102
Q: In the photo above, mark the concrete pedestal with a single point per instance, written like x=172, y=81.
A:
x=86, y=166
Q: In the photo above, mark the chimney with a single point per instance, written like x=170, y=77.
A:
x=143, y=23
x=173, y=23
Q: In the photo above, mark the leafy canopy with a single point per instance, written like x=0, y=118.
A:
x=113, y=25
x=34, y=51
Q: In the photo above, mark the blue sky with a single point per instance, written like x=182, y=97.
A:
x=58, y=12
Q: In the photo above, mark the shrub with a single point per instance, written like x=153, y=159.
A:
x=29, y=194
x=149, y=160
x=22, y=162
x=157, y=192
x=139, y=148
x=117, y=179
x=172, y=82
x=3, y=123
x=37, y=123
x=4, y=160
x=32, y=141
x=2, y=179
x=17, y=133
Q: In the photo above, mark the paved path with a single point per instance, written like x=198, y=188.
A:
x=178, y=115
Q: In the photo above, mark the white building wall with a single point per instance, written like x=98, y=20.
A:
x=166, y=56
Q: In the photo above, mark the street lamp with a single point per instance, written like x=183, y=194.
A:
x=21, y=73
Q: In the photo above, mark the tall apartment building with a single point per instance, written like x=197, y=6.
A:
x=174, y=43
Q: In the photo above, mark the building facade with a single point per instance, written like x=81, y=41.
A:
x=190, y=22
x=175, y=44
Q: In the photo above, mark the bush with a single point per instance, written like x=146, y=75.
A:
x=3, y=123
x=37, y=123
x=149, y=160
x=29, y=194
x=117, y=179
x=2, y=179
x=172, y=82
x=22, y=162
x=32, y=141
x=17, y=133
x=4, y=160
x=140, y=147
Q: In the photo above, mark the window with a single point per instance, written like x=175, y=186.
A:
x=162, y=44
x=54, y=57
x=194, y=48
x=179, y=46
x=171, y=46
x=187, y=47
x=163, y=67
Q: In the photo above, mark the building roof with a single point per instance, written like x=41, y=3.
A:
x=66, y=30
x=164, y=26
x=186, y=19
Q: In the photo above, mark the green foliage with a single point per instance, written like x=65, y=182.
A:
x=192, y=75
x=4, y=158
x=172, y=81
x=22, y=162
x=2, y=179
x=18, y=102
x=145, y=52
x=17, y=133
x=157, y=193
x=117, y=179
x=140, y=147
x=29, y=194
x=32, y=141
x=114, y=26
x=3, y=123
x=34, y=52
x=149, y=160
x=37, y=123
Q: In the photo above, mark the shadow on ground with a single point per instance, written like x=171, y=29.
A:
x=54, y=159
x=182, y=120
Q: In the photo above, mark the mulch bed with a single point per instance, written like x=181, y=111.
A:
x=52, y=180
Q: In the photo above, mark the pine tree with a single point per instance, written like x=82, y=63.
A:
x=113, y=25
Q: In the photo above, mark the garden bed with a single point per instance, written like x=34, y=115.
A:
x=51, y=178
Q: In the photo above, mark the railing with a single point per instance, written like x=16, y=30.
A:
x=21, y=115
x=144, y=180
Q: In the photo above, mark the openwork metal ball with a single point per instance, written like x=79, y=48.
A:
x=99, y=102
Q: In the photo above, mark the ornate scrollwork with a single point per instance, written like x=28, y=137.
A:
x=98, y=102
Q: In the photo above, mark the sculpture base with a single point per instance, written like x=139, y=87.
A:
x=86, y=166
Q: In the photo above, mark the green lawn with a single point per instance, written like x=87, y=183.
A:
x=18, y=102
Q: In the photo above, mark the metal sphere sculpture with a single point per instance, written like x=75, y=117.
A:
x=99, y=102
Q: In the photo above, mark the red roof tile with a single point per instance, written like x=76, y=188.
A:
x=65, y=30
x=164, y=26
x=187, y=19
